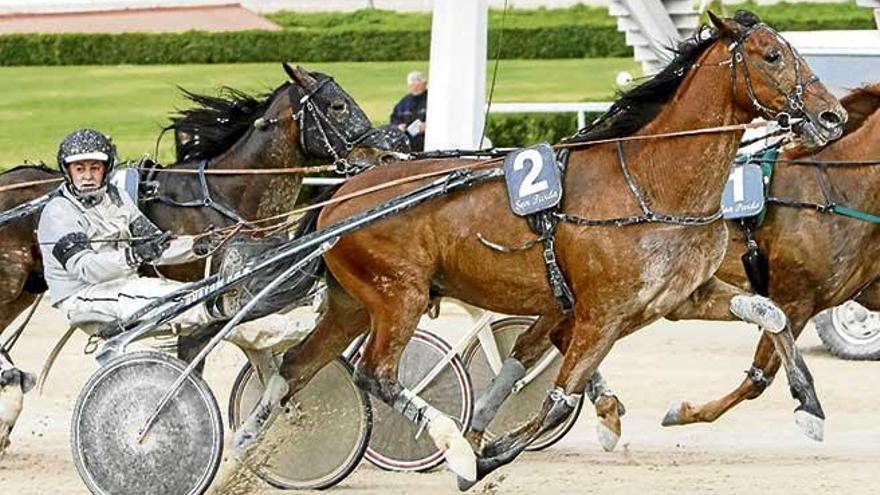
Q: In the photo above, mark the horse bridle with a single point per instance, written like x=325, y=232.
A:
x=794, y=107
x=308, y=109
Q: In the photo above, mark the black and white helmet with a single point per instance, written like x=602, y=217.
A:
x=87, y=144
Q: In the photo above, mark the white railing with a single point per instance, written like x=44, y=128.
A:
x=581, y=108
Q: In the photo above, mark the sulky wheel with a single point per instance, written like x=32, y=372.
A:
x=521, y=405
x=394, y=445
x=850, y=331
x=327, y=436
x=181, y=451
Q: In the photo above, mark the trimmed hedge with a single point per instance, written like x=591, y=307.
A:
x=270, y=46
x=509, y=131
x=378, y=36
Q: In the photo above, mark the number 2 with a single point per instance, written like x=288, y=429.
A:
x=529, y=186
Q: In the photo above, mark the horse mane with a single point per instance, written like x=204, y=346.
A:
x=637, y=107
x=215, y=123
x=42, y=167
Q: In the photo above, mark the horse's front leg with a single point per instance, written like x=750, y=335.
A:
x=588, y=345
x=717, y=300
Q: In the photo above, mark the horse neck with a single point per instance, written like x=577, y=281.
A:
x=687, y=175
x=856, y=186
x=277, y=147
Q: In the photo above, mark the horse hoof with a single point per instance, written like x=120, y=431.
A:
x=673, y=415
x=608, y=438
x=759, y=310
x=812, y=426
x=465, y=485
x=458, y=453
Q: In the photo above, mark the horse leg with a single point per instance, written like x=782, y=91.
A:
x=342, y=321
x=717, y=300
x=530, y=346
x=589, y=345
x=394, y=317
x=608, y=406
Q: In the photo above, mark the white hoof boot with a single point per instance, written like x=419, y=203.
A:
x=673, y=414
x=760, y=311
x=459, y=456
x=252, y=428
x=607, y=437
x=812, y=426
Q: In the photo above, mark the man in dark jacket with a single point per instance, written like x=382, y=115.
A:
x=409, y=114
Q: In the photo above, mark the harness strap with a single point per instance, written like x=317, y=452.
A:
x=543, y=223
x=206, y=201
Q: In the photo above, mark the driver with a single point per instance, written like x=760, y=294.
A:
x=94, y=239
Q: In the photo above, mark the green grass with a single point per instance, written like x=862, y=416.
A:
x=41, y=104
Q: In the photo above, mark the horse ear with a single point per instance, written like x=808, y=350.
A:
x=300, y=76
x=288, y=70
x=726, y=27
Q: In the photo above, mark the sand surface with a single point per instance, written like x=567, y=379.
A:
x=755, y=448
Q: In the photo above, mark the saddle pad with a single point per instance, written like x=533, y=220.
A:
x=744, y=192
x=534, y=181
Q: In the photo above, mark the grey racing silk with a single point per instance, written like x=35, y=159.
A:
x=86, y=245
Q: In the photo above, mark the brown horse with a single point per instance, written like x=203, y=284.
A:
x=384, y=275
x=842, y=270
x=816, y=260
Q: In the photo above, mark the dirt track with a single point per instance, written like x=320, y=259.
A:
x=755, y=448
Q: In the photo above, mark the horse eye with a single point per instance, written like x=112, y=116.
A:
x=338, y=106
x=772, y=57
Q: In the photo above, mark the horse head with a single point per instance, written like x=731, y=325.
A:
x=331, y=123
x=773, y=80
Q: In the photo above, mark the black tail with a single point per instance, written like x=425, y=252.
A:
x=298, y=289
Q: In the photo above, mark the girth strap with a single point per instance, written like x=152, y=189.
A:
x=543, y=223
x=206, y=200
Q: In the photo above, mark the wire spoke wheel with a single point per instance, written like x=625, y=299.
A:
x=394, y=445
x=180, y=453
x=323, y=441
x=521, y=406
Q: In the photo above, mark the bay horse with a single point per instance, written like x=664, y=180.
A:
x=309, y=120
x=816, y=260
x=383, y=276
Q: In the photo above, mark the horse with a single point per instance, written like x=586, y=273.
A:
x=382, y=277
x=816, y=259
x=830, y=282
x=306, y=121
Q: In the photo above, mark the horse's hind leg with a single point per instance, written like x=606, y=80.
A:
x=343, y=320
x=394, y=317
x=717, y=300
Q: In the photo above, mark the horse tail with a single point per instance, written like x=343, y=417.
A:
x=298, y=289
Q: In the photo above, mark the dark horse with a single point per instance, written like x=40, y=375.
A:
x=237, y=132
x=816, y=259
x=382, y=277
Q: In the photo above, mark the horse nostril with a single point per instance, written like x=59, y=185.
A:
x=830, y=119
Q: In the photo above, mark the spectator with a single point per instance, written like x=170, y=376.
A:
x=410, y=112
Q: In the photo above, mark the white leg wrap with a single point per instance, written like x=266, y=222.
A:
x=443, y=431
x=759, y=310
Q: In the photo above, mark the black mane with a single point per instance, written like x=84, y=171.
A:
x=33, y=166
x=640, y=105
x=216, y=122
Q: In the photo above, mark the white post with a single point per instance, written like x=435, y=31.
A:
x=457, y=76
